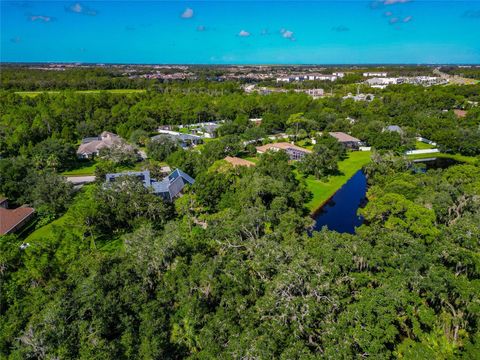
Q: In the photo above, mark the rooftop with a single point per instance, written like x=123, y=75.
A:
x=235, y=161
x=342, y=137
x=9, y=219
x=281, y=146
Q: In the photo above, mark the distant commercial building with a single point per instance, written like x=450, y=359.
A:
x=360, y=97
x=168, y=188
x=314, y=93
x=383, y=81
x=375, y=74
x=311, y=77
x=293, y=151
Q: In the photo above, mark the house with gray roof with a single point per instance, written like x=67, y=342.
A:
x=91, y=146
x=185, y=140
x=168, y=188
x=394, y=128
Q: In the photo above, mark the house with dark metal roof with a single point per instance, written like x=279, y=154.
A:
x=168, y=188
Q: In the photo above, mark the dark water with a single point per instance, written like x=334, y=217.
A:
x=422, y=165
x=340, y=212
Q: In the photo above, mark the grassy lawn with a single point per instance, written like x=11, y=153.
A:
x=323, y=190
x=458, y=157
x=422, y=146
x=84, y=169
x=113, y=91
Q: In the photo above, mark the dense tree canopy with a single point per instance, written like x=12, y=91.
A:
x=231, y=269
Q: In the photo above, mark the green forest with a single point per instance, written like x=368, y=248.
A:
x=231, y=269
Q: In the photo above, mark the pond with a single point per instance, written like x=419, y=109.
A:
x=436, y=163
x=340, y=212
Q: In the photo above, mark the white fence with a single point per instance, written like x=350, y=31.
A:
x=423, y=151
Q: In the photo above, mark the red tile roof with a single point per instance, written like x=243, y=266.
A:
x=9, y=219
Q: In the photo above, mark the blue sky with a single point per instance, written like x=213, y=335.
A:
x=241, y=32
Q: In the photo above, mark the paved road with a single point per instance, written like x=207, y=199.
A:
x=78, y=180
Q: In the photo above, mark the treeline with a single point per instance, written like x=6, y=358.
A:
x=100, y=78
x=468, y=72
x=70, y=116
x=230, y=272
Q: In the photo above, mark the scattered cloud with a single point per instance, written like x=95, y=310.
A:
x=187, y=14
x=41, y=18
x=392, y=2
x=243, y=33
x=78, y=8
x=287, y=34
x=471, y=14
x=407, y=19
x=388, y=13
x=340, y=28
x=16, y=40
x=264, y=32
x=394, y=20
x=201, y=28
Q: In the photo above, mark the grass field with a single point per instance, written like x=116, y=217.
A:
x=88, y=168
x=323, y=190
x=113, y=91
x=422, y=146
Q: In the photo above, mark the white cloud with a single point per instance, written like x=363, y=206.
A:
x=407, y=19
x=243, y=33
x=41, y=18
x=187, y=14
x=287, y=34
x=78, y=8
x=391, y=2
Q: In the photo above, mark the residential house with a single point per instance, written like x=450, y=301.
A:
x=256, y=121
x=12, y=220
x=91, y=146
x=236, y=161
x=4, y=202
x=294, y=152
x=394, y=128
x=185, y=140
x=206, y=130
x=168, y=188
x=347, y=140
